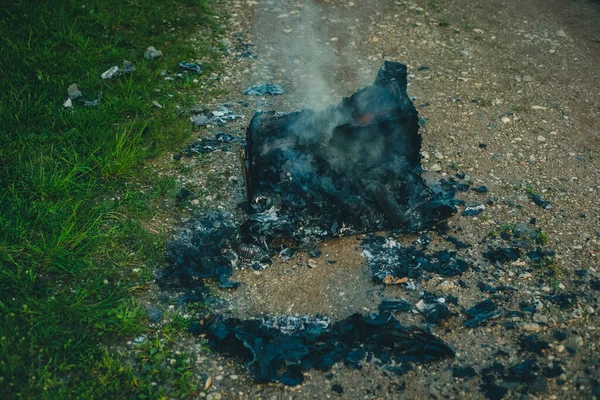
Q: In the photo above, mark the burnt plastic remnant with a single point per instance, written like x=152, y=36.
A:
x=262, y=89
x=209, y=144
x=354, y=167
x=280, y=349
x=191, y=67
x=434, y=309
x=395, y=305
x=386, y=257
x=482, y=312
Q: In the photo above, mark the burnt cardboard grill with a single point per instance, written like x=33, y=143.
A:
x=353, y=167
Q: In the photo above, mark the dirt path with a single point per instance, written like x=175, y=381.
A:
x=510, y=95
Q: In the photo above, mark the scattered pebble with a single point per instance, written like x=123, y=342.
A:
x=561, y=34
x=111, y=73
x=446, y=285
x=540, y=138
x=590, y=309
x=436, y=167
x=140, y=340
x=531, y=327
x=540, y=318
x=74, y=92
x=151, y=53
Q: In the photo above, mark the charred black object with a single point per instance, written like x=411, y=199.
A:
x=280, y=349
x=202, y=250
x=353, y=167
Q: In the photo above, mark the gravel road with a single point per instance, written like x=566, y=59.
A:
x=508, y=94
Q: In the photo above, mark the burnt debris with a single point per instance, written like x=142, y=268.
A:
x=202, y=250
x=279, y=349
x=481, y=313
x=311, y=175
x=525, y=377
x=354, y=167
x=386, y=257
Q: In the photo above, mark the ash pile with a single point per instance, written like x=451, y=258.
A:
x=353, y=167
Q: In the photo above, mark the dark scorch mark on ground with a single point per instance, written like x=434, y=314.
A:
x=280, y=349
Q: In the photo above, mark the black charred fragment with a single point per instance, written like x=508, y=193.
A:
x=464, y=372
x=482, y=312
x=275, y=352
x=395, y=305
x=337, y=388
x=387, y=257
x=563, y=300
x=502, y=254
x=533, y=344
x=198, y=251
x=354, y=165
x=496, y=379
x=537, y=199
x=459, y=244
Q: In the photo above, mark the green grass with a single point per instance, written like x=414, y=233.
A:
x=72, y=194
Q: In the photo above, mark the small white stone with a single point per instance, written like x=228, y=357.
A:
x=438, y=155
x=560, y=348
x=540, y=318
x=505, y=120
x=525, y=275
x=561, y=34
x=540, y=138
x=531, y=327
x=446, y=285
x=436, y=167
x=539, y=108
